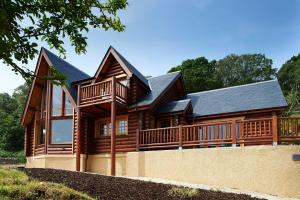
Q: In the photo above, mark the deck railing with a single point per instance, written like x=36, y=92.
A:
x=289, y=129
x=264, y=131
x=102, y=92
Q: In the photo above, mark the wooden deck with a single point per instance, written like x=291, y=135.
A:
x=266, y=131
x=102, y=92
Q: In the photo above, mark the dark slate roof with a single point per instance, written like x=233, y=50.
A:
x=173, y=106
x=72, y=73
x=157, y=86
x=132, y=69
x=254, y=96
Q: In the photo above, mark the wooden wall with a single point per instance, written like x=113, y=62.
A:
x=113, y=69
x=124, y=143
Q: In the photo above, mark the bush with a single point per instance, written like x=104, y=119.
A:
x=19, y=156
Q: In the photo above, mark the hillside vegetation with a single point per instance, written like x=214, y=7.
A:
x=16, y=185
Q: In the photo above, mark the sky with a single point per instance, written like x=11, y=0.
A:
x=161, y=34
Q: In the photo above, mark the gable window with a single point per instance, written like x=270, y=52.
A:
x=103, y=126
x=61, y=118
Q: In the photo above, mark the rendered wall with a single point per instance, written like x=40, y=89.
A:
x=67, y=162
x=263, y=169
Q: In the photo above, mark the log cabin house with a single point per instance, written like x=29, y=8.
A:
x=118, y=110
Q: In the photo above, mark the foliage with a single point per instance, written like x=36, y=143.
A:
x=25, y=22
x=289, y=74
x=289, y=78
x=198, y=74
x=243, y=69
x=16, y=185
x=183, y=192
x=19, y=155
x=11, y=109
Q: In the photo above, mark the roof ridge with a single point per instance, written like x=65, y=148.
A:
x=65, y=61
x=237, y=86
x=164, y=74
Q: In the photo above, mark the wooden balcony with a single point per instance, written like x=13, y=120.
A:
x=265, y=131
x=102, y=92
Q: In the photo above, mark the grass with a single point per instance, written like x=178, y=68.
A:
x=16, y=185
x=19, y=155
x=183, y=192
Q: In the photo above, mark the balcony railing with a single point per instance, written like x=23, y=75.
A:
x=102, y=92
x=232, y=133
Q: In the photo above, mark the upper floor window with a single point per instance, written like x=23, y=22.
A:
x=61, y=104
x=62, y=117
x=165, y=123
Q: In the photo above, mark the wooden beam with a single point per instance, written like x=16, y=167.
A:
x=234, y=133
x=274, y=128
x=113, y=128
x=78, y=143
x=101, y=108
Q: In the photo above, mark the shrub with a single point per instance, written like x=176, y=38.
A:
x=183, y=192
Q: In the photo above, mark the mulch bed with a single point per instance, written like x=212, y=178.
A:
x=106, y=187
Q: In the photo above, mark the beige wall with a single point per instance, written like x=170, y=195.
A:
x=263, y=169
x=101, y=164
x=67, y=162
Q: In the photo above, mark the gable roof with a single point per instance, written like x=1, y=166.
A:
x=256, y=96
x=131, y=68
x=72, y=73
x=158, y=85
x=173, y=106
x=124, y=64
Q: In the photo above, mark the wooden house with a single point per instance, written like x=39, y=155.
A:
x=119, y=110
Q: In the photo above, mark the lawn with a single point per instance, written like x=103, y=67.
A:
x=17, y=185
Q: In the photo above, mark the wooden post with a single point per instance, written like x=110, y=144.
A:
x=137, y=139
x=274, y=129
x=78, y=143
x=241, y=134
x=180, y=136
x=48, y=114
x=234, y=133
x=113, y=128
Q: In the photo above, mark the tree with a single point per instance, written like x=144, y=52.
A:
x=243, y=69
x=11, y=109
x=289, y=78
x=289, y=74
x=198, y=74
x=24, y=22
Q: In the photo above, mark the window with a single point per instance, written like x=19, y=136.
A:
x=56, y=101
x=68, y=106
x=122, y=127
x=61, y=130
x=103, y=126
x=62, y=117
x=165, y=123
x=61, y=104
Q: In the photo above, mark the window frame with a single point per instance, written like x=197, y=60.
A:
x=107, y=120
x=62, y=115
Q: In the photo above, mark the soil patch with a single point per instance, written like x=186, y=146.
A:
x=107, y=187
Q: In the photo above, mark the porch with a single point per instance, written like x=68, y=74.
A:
x=264, y=131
